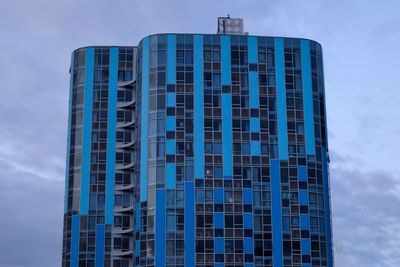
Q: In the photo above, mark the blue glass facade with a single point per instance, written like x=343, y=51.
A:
x=212, y=153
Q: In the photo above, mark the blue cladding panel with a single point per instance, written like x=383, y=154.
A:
x=304, y=222
x=254, y=89
x=144, y=119
x=305, y=246
x=276, y=210
x=160, y=227
x=281, y=99
x=303, y=197
x=170, y=178
x=248, y=245
x=218, y=195
x=327, y=204
x=68, y=134
x=100, y=245
x=171, y=60
x=248, y=221
x=137, y=215
x=219, y=245
x=87, y=131
x=189, y=224
x=218, y=220
x=171, y=101
x=111, y=135
x=247, y=196
x=226, y=59
x=198, y=107
x=227, y=135
x=170, y=123
x=171, y=146
x=254, y=125
x=255, y=148
x=252, y=44
x=75, y=241
x=302, y=173
x=308, y=97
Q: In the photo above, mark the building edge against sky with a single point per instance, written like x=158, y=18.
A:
x=198, y=150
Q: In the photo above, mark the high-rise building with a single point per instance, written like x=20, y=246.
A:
x=198, y=150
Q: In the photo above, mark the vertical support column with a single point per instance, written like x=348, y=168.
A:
x=100, y=245
x=281, y=99
x=111, y=135
x=144, y=119
x=71, y=75
x=198, y=107
x=226, y=102
x=75, y=241
x=277, y=213
x=307, y=96
x=160, y=227
x=87, y=131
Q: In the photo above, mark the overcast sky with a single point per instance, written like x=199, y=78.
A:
x=362, y=73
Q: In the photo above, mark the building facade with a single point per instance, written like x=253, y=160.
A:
x=198, y=150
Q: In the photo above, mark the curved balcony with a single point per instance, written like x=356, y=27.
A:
x=123, y=209
x=126, y=104
x=120, y=253
x=119, y=231
x=126, y=124
x=124, y=187
x=125, y=145
x=126, y=83
x=121, y=166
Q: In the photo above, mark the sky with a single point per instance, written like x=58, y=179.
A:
x=360, y=41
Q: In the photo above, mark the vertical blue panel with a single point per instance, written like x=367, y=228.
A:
x=305, y=246
x=227, y=135
x=254, y=89
x=170, y=123
x=281, y=99
x=111, y=135
x=218, y=195
x=160, y=227
x=303, y=197
x=189, y=224
x=171, y=101
x=87, y=131
x=171, y=59
x=144, y=119
x=170, y=146
x=75, y=241
x=226, y=59
x=255, y=125
x=302, y=173
x=307, y=97
x=304, y=222
x=327, y=204
x=248, y=245
x=248, y=221
x=218, y=220
x=252, y=45
x=137, y=227
x=219, y=245
x=170, y=178
x=247, y=196
x=277, y=212
x=255, y=148
x=71, y=75
x=198, y=107
x=100, y=245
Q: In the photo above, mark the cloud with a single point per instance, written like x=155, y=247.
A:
x=31, y=219
x=366, y=212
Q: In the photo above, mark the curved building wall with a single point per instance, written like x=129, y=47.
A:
x=233, y=152
x=99, y=197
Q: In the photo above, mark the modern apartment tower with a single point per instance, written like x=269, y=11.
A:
x=198, y=150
